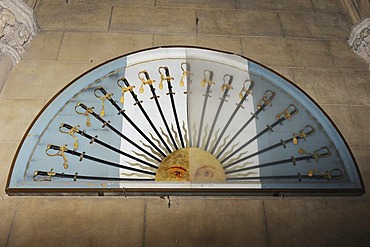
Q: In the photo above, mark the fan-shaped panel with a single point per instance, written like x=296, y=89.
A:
x=183, y=120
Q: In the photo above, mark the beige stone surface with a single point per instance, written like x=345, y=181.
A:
x=362, y=158
x=326, y=86
x=77, y=221
x=81, y=17
x=239, y=23
x=35, y=80
x=98, y=47
x=333, y=6
x=284, y=5
x=358, y=86
x=222, y=4
x=162, y=20
x=314, y=25
x=7, y=152
x=7, y=209
x=317, y=222
x=116, y=2
x=309, y=53
x=268, y=51
x=19, y=113
x=45, y=46
x=205, y=222
x=344, y=57
x=230, y=44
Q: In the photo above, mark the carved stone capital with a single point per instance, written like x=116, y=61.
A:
x=17, y=28
x=359, y=40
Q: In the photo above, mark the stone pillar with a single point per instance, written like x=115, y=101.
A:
x=17, y=28
x=359, y=40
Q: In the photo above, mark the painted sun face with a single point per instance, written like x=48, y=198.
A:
x=190, y=164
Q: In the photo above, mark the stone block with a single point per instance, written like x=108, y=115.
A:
x=45, y=46
x=117, y=2
x=152, y=20
x=57, y=221
x=229, y=44
x=98, y=47
x=221, y=4
x=239, y=23
x=326, y=86
x=362, y=156
x=284, y=5
x=16, y=116
x=205, y=222
x=268, y=51
x=309, y=53
x=75, y=17
x=332, y=6
x=7, y=208
x=313, y=222
x=358, y=86
x=344, y=57
x=41, y=80
x=7, y=152
x=315, y=25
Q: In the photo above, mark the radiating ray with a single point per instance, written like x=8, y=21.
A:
x=168, y=139
x=215, y=138
x=222, y=145
x=234, y=159
x=185, y=135
x=158, y=143
x=241, y=175
x=136, y=175
x=142, y=167
x=230, y=151
x=145, y=157
x=152, y=150
x=176, y=135
x=242, y=165
x=194, y=132
x=205, y=137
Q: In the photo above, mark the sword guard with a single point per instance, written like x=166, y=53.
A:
x=185, y=73
x=303, y=133
x=86, y=113
x=165, y=76
x=266, y=99
x=155, y=97
x=208, y=76
x=138, y=102
x=286, y=114
x=144, y=80
x=48, y=175
x=322, y=152
x=169, y=93
x=60, y=152
x=82, y=156
x=93, y=139
x=105, y=123
x=75, y=177
x=245, y=90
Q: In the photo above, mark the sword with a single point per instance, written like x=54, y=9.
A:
x=266, y=99
x=122, y=112
x=323, y=152
x=238, y=106
x=171, y=93
x=225, y=88
x=207, y=80
x=107, y=124
x=138, y=102
x=83, y=155
x=303, y=133
x=95, y=139
x=312, y=174
x=281, y=117
x=40, y=176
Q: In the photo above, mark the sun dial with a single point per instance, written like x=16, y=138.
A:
x=183, y=121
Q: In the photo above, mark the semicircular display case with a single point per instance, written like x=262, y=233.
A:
x=183, y=121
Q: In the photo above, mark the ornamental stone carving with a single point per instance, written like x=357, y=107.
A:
x=359, y=40
x=17, y=28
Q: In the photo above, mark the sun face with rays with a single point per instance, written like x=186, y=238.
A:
x=190, y=164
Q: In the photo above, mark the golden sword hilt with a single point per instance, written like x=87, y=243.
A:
x=164, y=76
x=267, y=97
x=316, y=154
x=288, y=113
x=208, y=77
x=103, y=98
x=303, y=133
x=244, y=90
x=185, y=72
x=87, y=111
x=145, y=79
x=70, y=131
x=124, y=89
x=60, y=152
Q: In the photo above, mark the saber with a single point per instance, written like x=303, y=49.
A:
x=323, y=152
x=107, y=124
x=303, y=133
x=95, y=139
x=281, y=117
x=41, y=176
x=225, y=88
x=312, y=174
x=138, y=102
x=122, y=112
x=266, y=99
x=171, y=93
x=84, y=155
x=209, y=83
x=238, y=106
